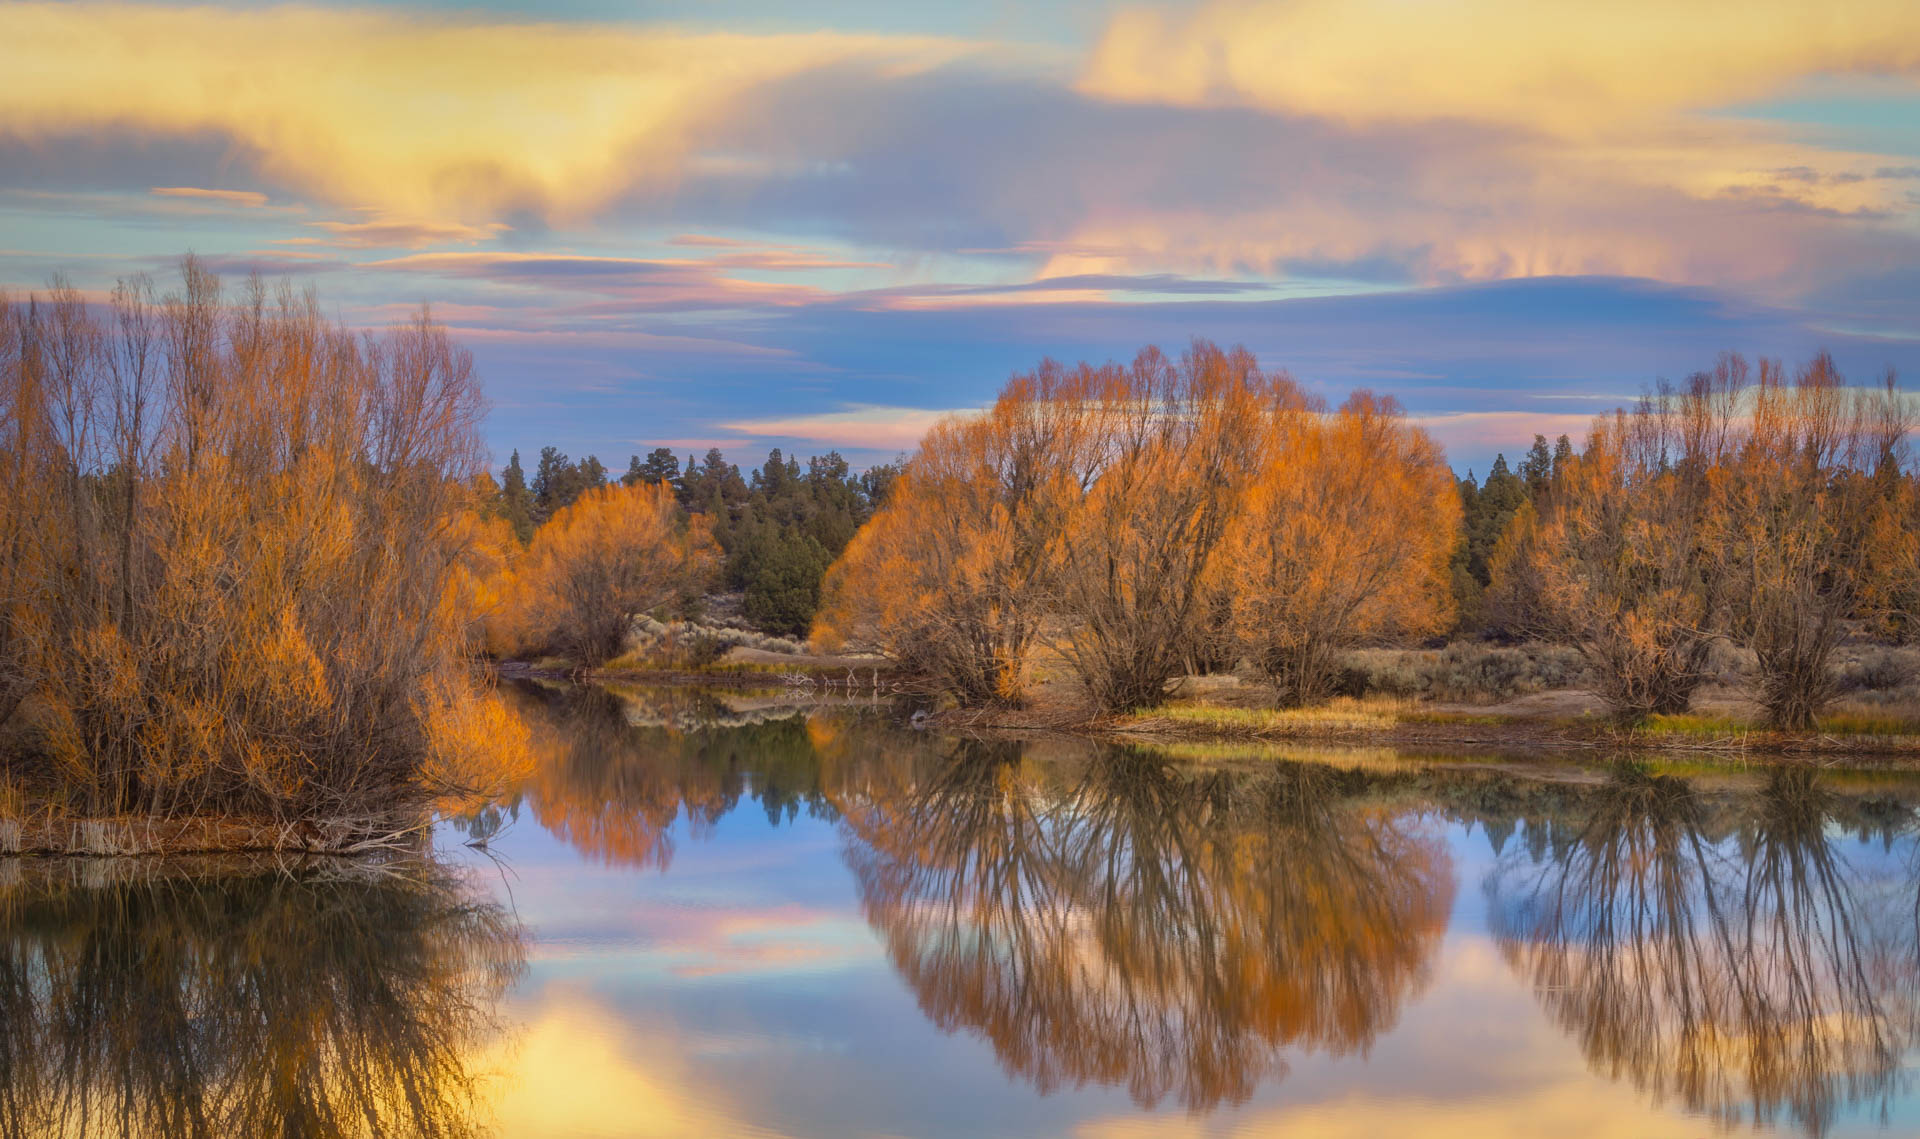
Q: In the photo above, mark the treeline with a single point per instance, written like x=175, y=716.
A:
x=1168, y=517
x=234, y=543
x=776, y=529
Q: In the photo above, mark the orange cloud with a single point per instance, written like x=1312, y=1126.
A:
x=388, y=232
x=418, y=116
x=250, y=198
x=576, y=1070
x=1576, y=67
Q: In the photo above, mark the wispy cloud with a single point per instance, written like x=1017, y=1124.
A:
x=872, y=428
x=249, y=198
x=390, y=232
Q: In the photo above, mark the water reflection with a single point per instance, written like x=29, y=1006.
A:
x=1124, y=921
x=1739, y=946
x=1724, y=954
x=617, y=769
x=334, y=1001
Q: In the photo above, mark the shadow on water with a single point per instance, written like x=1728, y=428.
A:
x=1728, y=956
x=342, y=1001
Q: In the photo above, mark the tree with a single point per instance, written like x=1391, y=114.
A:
x=1618, y=564
x=1537, y=469
x=1487, y=510
x=516, y=501
x=1773, y=514
x=1799, y=523
x=613, y=553
x=783, y=592
x=949, y=578
x=233, y=537
x=660, y=466
x=1168, y=449
x=1345, y=536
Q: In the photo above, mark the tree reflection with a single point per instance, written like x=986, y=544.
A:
x=1729, y=957
x=1123, y=920
x=616, y=770
x=324, y=1003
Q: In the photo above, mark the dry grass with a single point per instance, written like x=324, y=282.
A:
x=1342, y=716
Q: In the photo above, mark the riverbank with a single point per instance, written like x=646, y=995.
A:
x=1222, y=710
x=48, y=833
x=1400, y=723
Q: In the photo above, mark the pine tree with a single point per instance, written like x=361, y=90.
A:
x=1562, y=455
x=516, y=502
x=549, y=483
x=660, y=466
x=1537, y=468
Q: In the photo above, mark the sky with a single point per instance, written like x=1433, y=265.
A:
x=753, y=224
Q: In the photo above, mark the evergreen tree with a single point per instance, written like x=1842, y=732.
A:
x=1487, y=509
x=1562, y=455
x=589, y=475
x=784, y=591
x=549, y=483
x=1537, y=468
x=516, y=503
x=660, y=466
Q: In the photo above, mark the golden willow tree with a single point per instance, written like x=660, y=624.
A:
x=1343, y=537
x=1132, y=588
x=1138, y=518
x=1773, y=513
x=949, y=577
x=613, y=552
x=228, y=531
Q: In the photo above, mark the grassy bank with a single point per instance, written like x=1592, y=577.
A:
x=1396, y=720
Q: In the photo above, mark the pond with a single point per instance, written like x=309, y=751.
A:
x=716, y=915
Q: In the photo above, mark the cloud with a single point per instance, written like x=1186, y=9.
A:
x=421, y=116
x=387, y=232
x=1380, y=142
x=1578, y=68
x=249, y=198
x=966, y=161
x=1475, y=433
x=631, y=284
x=868, y=428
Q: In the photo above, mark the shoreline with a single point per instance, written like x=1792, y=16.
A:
x=142, y=836
x=1409, y=723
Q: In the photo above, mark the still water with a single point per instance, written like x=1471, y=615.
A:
x=712, y=916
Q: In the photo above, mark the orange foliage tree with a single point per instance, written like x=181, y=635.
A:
x=1137, y=572
x=614, y=552
x=229, y=532
x=1810, y=515
x=951, y=575
x=1344, y=536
